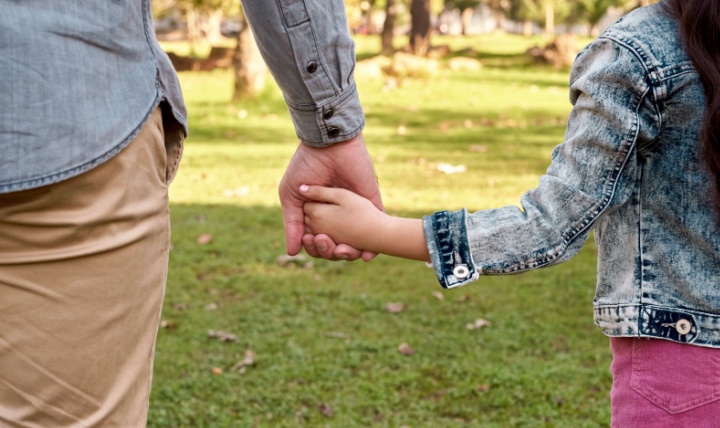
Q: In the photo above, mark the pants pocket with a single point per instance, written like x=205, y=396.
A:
x=675, y=377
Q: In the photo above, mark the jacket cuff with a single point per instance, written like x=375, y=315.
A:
x=337, y=120
x=446, y=236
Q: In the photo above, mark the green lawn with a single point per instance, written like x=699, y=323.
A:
x=325, y=346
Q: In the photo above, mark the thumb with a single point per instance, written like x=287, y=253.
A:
x=329, y=195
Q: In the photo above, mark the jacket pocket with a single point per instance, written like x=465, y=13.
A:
x=675, y=377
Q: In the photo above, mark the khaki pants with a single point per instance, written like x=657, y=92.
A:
x=83, y=265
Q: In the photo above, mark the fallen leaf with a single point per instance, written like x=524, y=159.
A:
x=217, y=370
x=482, y=388
x=336, y=335
x=479, y=323
x=222, y=336
x=249, y=360
x=478, y=148
x=463, y=298
x=211, y=306
x=325, y=409
x=204, y=238
x=395, y=307
x=167, y=324
x=438, y=295
x=405, y=349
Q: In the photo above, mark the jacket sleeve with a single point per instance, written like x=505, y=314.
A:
x=308, y=48
x=593, y=171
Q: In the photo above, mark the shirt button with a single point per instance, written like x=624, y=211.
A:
x=311, y=67
x=328, y=114
x=683, y=326
x=461, y=271
x=333, y=131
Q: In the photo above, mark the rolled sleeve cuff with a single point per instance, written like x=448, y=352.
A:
x=337, y=120
x=447, y=241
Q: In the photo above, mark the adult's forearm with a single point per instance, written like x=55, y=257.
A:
x=308, y=48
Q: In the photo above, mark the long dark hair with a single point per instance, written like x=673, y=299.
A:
x=700, y=30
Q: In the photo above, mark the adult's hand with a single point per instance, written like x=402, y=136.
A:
x=345, y=165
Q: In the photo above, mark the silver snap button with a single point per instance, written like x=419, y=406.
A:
x=683, y=326
x=461, y=271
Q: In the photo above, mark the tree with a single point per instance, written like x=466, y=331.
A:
x=388, y=30
x=543, y=12
x=592, y=11
x=420, y=26
x=202, y=17
x=248, y=66
x=466, y=11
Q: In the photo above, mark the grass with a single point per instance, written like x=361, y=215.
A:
x=325, y=346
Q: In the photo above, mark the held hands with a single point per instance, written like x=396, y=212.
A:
x=351, y=219
x=344, y=165
x=345, y=216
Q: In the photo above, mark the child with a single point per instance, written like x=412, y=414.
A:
x=639, y=165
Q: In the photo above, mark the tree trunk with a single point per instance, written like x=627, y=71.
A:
x=388, y=27
x=549, y=19
x=420, y=27
x=248, y=66
x=527, y=28
x=465, y=20
x=212, y=27
x=369, y=17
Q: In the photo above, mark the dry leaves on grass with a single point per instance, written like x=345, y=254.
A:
x=248, y=361
x=325, y=409
x=395, y=307
x=168, y=324
x=222, y=336
x=438, y=295
x=204, y=238
x=478, y=324
x=405, y=349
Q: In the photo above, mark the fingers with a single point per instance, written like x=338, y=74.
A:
x=293, y=220
x=328, y=195
x=317, y=248
x=346, y=252
x=367, y=256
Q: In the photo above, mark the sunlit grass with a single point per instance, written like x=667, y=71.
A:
x=321, y=334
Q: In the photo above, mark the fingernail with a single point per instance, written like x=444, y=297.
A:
x=323, y=247
x=304, y=188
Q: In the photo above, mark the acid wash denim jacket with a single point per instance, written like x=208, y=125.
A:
x=629, y=169
x=78, y=80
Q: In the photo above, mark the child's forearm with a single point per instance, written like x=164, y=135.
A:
x=400, y=237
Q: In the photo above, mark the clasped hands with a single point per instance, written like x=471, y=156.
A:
x=345, y=165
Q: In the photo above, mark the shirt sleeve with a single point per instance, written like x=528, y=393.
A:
x=308, y=48
x=592, y=172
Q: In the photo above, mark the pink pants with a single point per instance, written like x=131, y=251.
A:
x=658, y=383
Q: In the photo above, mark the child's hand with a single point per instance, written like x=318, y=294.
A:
x=346, y=217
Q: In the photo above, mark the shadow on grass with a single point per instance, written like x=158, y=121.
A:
x=322, y=338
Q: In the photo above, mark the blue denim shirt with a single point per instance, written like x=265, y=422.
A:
x=629, y=169
x=77, y=83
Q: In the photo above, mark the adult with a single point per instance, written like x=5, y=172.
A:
x=92, y=124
